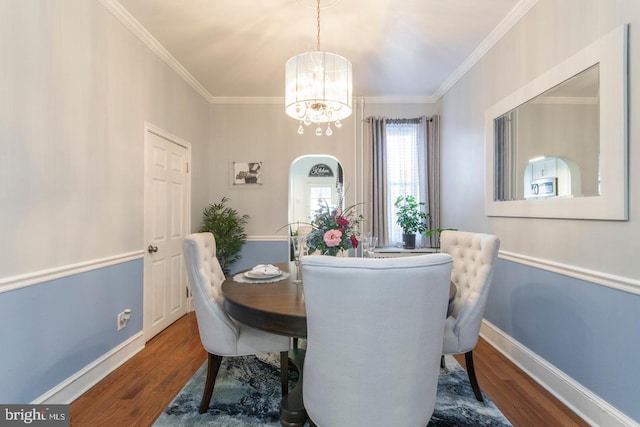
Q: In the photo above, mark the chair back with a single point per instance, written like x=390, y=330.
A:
x=474, y=260
x=374, y=338
x=218, y=333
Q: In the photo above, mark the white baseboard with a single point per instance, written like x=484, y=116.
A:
x=74, y=386
x=591, y=408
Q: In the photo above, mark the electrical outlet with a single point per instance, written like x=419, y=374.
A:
x=123, y=318
x=121, y=322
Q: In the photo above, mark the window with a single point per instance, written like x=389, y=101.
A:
x=401, y=158
x=319, y=196
x=403, y=171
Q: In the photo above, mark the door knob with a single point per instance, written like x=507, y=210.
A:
x=152, y=249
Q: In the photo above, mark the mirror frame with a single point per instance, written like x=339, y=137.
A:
x=610, y=52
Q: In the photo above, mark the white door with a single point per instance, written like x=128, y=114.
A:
x=166, y=206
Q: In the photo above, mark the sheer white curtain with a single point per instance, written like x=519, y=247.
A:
x=402, y=169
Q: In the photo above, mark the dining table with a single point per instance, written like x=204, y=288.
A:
x=278, y=307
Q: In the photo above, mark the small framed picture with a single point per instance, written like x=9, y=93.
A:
x=247, y=173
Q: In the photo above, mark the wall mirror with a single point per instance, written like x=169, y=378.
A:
x=312, y=179
x=557, y=147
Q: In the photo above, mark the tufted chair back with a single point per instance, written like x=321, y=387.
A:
x=374, y=338
x=474, y=259
x=218, y=333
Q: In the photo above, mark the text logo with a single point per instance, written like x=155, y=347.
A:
x=34, y=415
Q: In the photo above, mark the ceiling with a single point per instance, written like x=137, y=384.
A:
x=400, y=49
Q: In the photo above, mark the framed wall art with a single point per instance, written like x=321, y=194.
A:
x=247, y=173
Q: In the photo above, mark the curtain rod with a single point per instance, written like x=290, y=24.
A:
x=400, y=121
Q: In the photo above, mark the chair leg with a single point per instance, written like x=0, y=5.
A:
x=213, y=366
x=443, y=365
x=284, y=372
x=468, y=358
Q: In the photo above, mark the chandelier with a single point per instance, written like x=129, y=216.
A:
x=318, y=88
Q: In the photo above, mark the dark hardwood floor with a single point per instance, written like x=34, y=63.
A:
x=137, y=392
x=523, y=401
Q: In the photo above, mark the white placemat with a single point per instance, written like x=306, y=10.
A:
x=240, y=278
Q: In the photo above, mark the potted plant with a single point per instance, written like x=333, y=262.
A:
x=411, y=218
x=227, y=226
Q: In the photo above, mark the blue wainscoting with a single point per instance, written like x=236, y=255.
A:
x=54, y=329
x=589, y=331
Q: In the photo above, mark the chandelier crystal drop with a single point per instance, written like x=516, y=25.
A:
x=318, y=88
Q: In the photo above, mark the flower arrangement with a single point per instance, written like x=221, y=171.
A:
x=334, y=230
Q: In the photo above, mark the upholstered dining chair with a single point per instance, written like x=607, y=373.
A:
x=474, y=259
x=220, y=335
x=374, y=338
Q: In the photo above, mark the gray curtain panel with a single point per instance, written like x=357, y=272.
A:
x=375, y=178
x=504, y=159
x=431, y=128
x=499, y=125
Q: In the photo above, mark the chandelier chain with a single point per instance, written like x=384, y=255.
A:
x=318, y=19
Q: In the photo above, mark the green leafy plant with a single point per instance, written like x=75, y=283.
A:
x=437, y=232
x=227, y=226
x=410, y=217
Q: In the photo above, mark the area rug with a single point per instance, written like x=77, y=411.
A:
x=247, y=393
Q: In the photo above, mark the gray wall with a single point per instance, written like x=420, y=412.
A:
x=587, y=330
x=76, y=89
x=262, y=132
x=249, y=132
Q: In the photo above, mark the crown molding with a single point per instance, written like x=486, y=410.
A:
x=247, y=100
x=139, y=31
x=356, y=100
x=501, y=29
x=398, y=100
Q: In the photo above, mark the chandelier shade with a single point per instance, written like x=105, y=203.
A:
x=318, y=87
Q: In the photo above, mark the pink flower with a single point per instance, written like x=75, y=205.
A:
x=332, y=238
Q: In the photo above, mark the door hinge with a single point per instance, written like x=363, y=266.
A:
x=187, y=167
x=186, y=288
